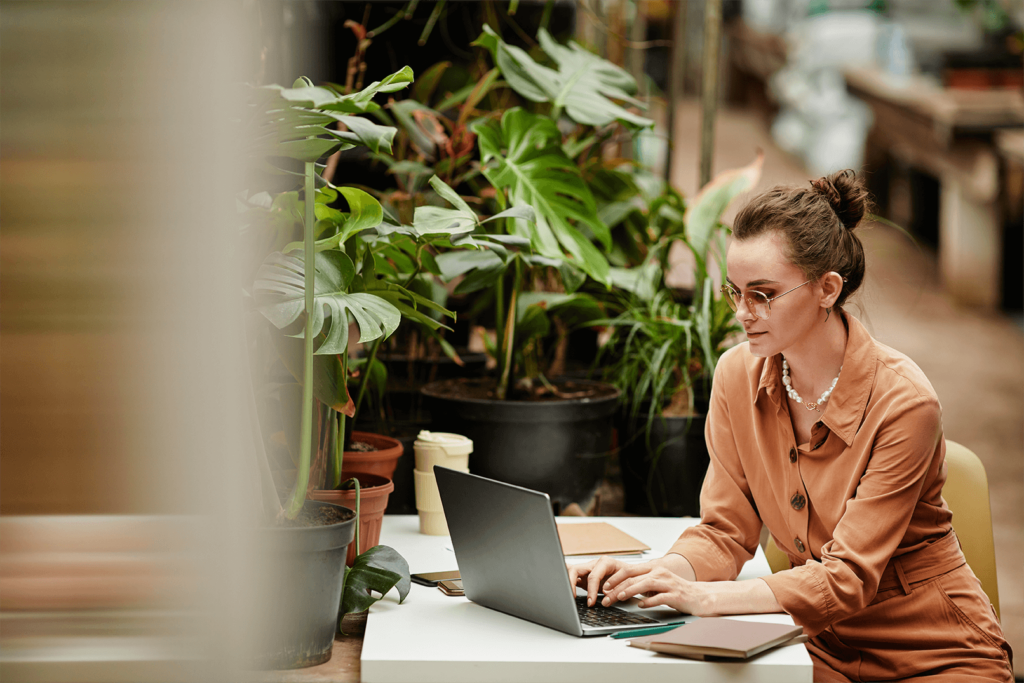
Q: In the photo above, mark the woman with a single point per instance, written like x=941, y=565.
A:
x=834, y=442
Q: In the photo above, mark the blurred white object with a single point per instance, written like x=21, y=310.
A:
x=893, y=49
x=836, y=39
x=819, y=121
x=765, y=15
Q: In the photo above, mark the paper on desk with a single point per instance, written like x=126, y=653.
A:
x=588, y=541
x=598, y=538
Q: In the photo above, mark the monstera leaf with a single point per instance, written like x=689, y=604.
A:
x=376, y=570
x=458, y=222
x=297, y=122
x=523, y=155
x=584, y=84
x=364, y=212
x=280, y=294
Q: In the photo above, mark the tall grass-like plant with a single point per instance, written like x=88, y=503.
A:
x=664, y=345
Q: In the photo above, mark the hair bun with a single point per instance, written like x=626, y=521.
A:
x=846, y=194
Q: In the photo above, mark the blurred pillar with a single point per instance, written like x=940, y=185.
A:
x=676, y=77
x=120, y=401
x=709, y=85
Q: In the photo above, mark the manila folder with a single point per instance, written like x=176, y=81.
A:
x=597, y=538
x=717, y=637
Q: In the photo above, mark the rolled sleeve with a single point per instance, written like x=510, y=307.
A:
x=730, y=528
x=905, y=453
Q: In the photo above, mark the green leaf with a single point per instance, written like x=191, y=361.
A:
x=525, y=213
x=361, y=102
x=421, y=138
x=327, y=385
x=279, y=293
x=572, y=277
x=523, y=155
x=364, y=212
x=436, y=220
x=479, y=91
x=450, y=195
x=309, y=149
x=579, y=307
x=641, y=281
x=455, y=263
x=376, y=570
x=426, y=84
x=706, y=209
x=584, y=84
x=365, y=132
x=481, y=278
x=531, y=322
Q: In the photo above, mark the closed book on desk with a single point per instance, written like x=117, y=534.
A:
x=716, y=637
x=597, y=538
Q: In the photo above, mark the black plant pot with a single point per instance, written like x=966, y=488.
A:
x=662, y=476
x=560, y=447
x=299, y=592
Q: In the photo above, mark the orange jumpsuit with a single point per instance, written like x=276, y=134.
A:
x=878, y=580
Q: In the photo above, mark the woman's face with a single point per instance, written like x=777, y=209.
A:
x=759, y=264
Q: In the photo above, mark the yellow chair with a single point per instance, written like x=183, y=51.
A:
x=966, y=494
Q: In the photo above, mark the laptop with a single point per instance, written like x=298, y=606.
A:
x=510, y=559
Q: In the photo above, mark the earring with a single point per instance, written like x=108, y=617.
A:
x=828, y=312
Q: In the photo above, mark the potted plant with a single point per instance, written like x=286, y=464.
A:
x=664, y=343
x=303, y=595
x=528, y=427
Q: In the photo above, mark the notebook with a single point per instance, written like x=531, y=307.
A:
x=718, y=637
x=597, y=538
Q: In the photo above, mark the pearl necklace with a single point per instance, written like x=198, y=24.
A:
x=796, y=397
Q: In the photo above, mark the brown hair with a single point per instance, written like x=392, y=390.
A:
x=817, y=224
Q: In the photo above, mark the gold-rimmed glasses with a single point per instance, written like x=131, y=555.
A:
x=757, y=302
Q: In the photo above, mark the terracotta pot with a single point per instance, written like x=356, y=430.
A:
x=381, y=462
x=375, y=490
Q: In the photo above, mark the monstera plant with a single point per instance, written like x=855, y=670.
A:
x=312, y=289
x=539, y=283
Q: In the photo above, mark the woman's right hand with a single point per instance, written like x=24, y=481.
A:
x=603, y=575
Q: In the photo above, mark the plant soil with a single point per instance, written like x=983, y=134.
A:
x=317, y=516
x=362, y=447
x=485, y=389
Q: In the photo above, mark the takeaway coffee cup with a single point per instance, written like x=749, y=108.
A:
x=436, y=448
x=428, y=503
x=442, y=448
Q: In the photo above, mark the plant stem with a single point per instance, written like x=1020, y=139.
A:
x=499, y=323
x=342, y=437
x=365, y=379
x=545, y=18
x=298, y=496
x=510, y=332
x=338, y=434
x=401, y=14
x=358, y=549
x=431, y=20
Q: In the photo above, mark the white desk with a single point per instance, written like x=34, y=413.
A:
x=433, y=638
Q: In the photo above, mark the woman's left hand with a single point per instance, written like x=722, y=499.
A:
x=662, y=587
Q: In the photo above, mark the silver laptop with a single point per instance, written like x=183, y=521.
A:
x=510, y=559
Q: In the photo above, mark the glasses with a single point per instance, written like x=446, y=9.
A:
x=757, y=303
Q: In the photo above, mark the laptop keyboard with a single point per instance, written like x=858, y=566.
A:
x=599, y=615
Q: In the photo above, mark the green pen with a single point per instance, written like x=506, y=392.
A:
x=652, y=631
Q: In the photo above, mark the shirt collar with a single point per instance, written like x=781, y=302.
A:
x=845, y=408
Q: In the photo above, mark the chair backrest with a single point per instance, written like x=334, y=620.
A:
x=966, y=494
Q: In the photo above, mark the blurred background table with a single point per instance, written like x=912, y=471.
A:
x=950, y=134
